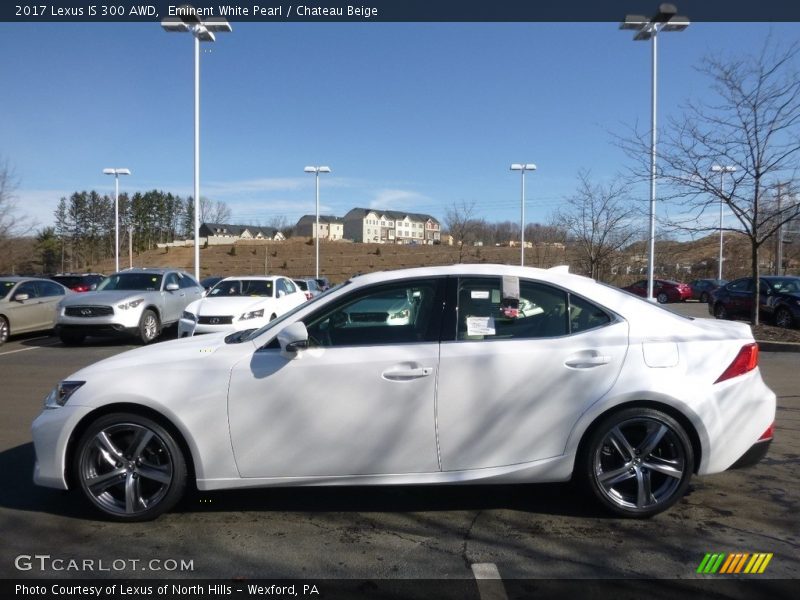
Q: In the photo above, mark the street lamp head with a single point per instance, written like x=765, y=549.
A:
x=116, y=171
x=723, y=169
x=324, y=169
x=523, y=167
x=317, y=170
x=664, y=20
x=634, y=22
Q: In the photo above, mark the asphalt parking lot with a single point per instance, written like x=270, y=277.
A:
x=527, y=531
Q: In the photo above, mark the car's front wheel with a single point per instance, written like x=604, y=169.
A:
x=662, y=298
x=4, y=330
x=149, y=326
x=783, y=318
x=720, y=312
x=130, y=467
x=637, y=462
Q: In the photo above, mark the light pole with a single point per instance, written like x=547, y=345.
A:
x=648, y=29
x=130, y=247
x=317, y=171
x=203, y=31
x=116, y=173
x=721, y=170
x=522, y=167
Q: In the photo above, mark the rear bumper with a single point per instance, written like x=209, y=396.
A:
x=754, y=455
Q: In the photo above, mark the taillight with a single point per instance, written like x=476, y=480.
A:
x=768, y=434
x=81, y=288
x=745, y=361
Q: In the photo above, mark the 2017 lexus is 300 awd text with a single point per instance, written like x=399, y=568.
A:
x=458, y=374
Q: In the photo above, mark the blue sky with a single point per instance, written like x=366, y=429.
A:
x=408, y=116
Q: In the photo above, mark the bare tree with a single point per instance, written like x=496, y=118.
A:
x=752, y=125
x=597, y=219
x=12, y=225
x=461, y=224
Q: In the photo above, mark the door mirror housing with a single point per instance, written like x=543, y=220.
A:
x=172, y=287
x=21, y=297
x=292, y=339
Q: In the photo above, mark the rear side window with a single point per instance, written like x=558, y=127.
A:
x=486, y=311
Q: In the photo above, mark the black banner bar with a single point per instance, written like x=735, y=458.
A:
x=397, y=10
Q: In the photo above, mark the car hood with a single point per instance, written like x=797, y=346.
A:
x=175, y=355
x=104, y=298
x=209, y=307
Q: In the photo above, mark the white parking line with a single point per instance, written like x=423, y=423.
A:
x=26, y=349
x=490, y=584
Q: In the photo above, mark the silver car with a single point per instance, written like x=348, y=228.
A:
x=28, y=304
x=135, y=302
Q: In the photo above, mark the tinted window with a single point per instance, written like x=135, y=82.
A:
x=291, y=288
x=583, y=315
x=186, y=282
x=741, y=285
x=29, y=287
x=5, y=287
x=398, y=313
x=50, y=289
x=172, y=278
x=484, y=315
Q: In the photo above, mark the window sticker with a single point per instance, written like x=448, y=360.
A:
x=479, y=294
x=510, y=306
x=480, y=325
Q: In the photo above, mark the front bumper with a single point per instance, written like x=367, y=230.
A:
x=97, y=329
x=51, y=432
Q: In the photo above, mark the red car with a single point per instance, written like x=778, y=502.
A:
x=664, y=290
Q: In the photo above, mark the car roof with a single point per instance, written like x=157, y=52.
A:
x=24, y=278
x=254, y=277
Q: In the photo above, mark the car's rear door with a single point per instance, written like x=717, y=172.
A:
x=512, y=385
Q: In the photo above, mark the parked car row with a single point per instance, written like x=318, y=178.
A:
x=779, y=300
x=141, y=302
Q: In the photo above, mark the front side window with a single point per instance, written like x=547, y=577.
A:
x=397, y=313
x=29, y=287
x=172, y=278
x=186, y=282
x=742, y=285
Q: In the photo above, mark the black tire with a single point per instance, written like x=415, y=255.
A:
x=783, y=318
x=129, y=467
x=720, y=312
x=662, y=298
x=5, y=330
x=149, y=327
x=71, y=339
x=704, y=297
x=636, y=462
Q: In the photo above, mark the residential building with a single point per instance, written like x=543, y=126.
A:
x=240, y=232
x=391, y=227
x=330, y=227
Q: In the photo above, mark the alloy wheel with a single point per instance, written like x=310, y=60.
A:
x=3, y=331
x=783, y=318
x=639, y=462
x=126, y=469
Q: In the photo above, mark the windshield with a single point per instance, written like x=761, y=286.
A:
x=146, y=282
x=257, y=332
x=242, y=287
x=5, y=287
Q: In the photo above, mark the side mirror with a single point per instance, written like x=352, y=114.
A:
x=21, y=297
x=171, y=287
x=281, y=293
x=293, y=338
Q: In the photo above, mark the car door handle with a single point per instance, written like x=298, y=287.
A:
x=587, y=362
x=407, y=374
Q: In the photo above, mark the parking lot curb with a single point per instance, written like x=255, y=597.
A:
x=778, y=346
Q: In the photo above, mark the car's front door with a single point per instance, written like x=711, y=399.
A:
x=514, y=381
x=174, y=300
x=27, y=313
x=358, y=401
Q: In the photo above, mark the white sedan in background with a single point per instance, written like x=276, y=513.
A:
x=595, y=385
x=238, y=303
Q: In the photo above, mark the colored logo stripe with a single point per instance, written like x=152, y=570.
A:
x=719, y=562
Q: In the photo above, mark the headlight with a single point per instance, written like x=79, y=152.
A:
x=403, y=314
x=188, y=316
x=253, y=314
x=131, y=304
x=61, y=393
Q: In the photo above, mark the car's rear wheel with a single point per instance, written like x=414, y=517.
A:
x=637, y=462
x=720, y=312
x=130, y=467
x=149, y=327
x=4, y=330
x=783, y=318
x=662, y=298
x=71, y=339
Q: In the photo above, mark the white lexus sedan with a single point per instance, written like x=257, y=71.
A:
x=498, y=374
x=238, y=303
